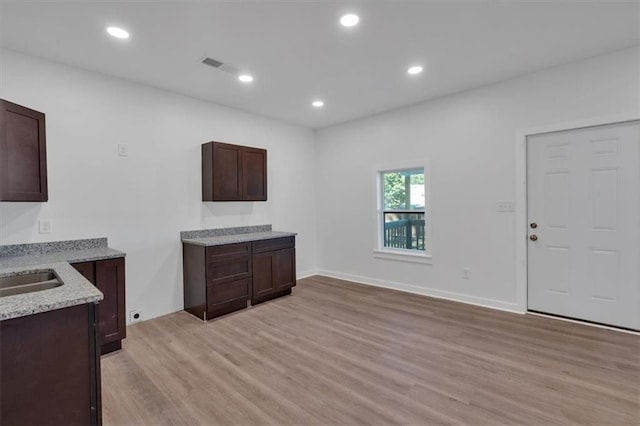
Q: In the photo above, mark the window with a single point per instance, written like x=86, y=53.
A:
x=402, y=223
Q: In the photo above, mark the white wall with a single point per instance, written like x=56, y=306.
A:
x=142, y=201
x=470, y=139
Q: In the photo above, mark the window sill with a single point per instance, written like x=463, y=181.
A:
x=403, y=256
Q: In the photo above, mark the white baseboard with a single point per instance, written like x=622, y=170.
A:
x=305, y=274
x=426, y=291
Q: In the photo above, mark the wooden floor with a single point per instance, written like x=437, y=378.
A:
x=342, y=353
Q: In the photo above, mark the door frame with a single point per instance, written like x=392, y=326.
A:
x=521, y=225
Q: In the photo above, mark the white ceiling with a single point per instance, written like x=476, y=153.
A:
x=297, y=51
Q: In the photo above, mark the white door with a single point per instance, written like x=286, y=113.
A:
x=584, y=224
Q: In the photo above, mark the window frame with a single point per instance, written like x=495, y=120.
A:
x=406, y=255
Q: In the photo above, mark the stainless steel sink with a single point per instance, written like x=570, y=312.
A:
x=28, y=283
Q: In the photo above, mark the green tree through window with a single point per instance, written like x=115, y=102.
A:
x=403, y=210
x=394, y=191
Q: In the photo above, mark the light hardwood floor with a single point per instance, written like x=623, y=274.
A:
x=343, y=353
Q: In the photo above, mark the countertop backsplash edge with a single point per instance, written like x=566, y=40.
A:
x=219, y=232
x=30, y=249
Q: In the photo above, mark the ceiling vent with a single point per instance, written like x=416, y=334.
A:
x=220, y=65
x=212, y=62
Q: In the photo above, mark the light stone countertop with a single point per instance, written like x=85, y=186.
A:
x=75, y=290
x=68, y=256
x=236, y=238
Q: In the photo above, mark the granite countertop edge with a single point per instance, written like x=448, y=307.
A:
x=237, y=238
x=75, y=290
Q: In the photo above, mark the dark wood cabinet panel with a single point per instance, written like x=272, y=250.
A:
x=228, y=291
x=109, y=277
x=216, y=279
x=262, y=275
x=233, y=173
x=87, y=270
x=274, y=272
x=273, y=244
x=254, y=174
x=228, y=262
x=227, y=172
x=222, y=279
x=194, y=280
x=227, y=297
x=23, y=154
x=284, y=269
x=240, y=249
x=50, y=368
x=228, y=268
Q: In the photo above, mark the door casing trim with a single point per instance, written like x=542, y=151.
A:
x=521, y=229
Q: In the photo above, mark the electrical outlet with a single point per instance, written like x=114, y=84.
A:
x=45, y=226
x=135, y=316
x=466, y=273
x=123, y=150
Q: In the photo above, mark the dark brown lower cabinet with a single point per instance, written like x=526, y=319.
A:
x=50, y=368
x=274, y=274
x=109, y=277
x=216, y=279
x=222, y=279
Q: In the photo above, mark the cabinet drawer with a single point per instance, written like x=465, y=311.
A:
x=239, y=249
x=227, y=292
x=228, y=268
x=273, y=244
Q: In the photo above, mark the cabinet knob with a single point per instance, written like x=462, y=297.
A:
x=533, y=237
x=533, y=225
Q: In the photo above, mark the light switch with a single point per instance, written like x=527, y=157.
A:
x=505, y=206
x=123, y=150
x=44, y=226
x=466, y=273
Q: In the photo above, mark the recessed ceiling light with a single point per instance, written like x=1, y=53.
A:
x=349, y=20
x=317, y=104
x=118, y=32
x=415, y=70
x=245, y=78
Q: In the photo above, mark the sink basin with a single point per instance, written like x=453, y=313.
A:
x=28, y=283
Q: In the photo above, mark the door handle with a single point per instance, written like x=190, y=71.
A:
x=533, y=237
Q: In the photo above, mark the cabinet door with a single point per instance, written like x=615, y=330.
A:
x=49, y=368
x=23, y=154
x=227, y=172
x=284, y=269
x=110, y=279
x=254, y=174
x=87, y=270
x=262, y=275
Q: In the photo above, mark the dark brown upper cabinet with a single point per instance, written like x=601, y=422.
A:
x=233, y=173
x=23, y=154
